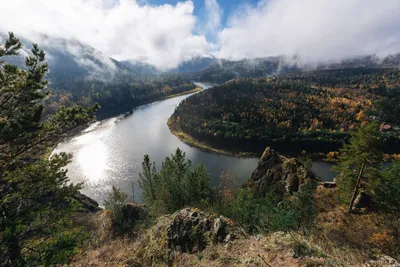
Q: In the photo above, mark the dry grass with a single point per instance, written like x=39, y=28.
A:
x=351, y=239
x=340, y=239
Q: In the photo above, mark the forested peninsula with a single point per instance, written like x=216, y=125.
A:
x=315, y=111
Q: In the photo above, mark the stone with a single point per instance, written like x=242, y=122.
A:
x=228, y=238
x=184, y=232
x=329, y=184
x=134, y=211
x=220, y=229
x=383, y=260
x=88, y=204
x=276, y=169
x=363, y=201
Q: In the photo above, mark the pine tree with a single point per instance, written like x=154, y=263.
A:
x=176, y=185
x=174, y=171
x=36, y=201
x=198, y=187
x=147, y=180
x=359, y=163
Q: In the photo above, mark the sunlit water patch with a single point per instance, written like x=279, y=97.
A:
x=110, y=152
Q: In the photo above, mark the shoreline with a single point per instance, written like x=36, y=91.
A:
x=126, y=112
x=176, y=130
x=116, y=113
x=189, y=140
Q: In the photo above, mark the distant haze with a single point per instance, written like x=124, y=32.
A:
x=314, y=31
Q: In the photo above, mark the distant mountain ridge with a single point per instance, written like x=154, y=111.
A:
x=224, y=70
x=191, y=64
x=70, y=60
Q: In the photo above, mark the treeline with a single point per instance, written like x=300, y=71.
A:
x=117, y=95
x=225, y=70
x=312, y=111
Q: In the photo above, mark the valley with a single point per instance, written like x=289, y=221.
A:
x=210, y=162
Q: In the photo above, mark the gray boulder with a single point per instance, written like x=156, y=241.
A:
x=273, y=169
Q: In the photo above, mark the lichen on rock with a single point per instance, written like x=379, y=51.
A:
x=273, y=169
x=189, y=231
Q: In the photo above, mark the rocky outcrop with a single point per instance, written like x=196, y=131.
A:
x=191, y=230
x=88, y=204
x=382, y=261
x=188, y=230
x=273, y=169
x=134, y=212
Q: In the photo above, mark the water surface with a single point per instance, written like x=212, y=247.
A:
x=110, y=152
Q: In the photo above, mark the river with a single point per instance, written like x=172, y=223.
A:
x=110, y=152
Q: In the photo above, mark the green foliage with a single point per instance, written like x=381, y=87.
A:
x=365, y=148
x=176, y=185
x=388, y=189
x=117, y=95
x=297, y=212
x=198, y=187
x=36, y=197
x=115, y=204
x=172, y=176
x=148, y=179
x=273, y=213
x=314, y=111
x=248, y=210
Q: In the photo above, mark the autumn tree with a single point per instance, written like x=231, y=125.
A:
x=359, y=163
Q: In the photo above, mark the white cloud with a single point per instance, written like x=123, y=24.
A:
x=315, y=30
x=122, y=29
x=212, y=19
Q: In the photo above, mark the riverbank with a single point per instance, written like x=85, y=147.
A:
x=114, y=113
x=197, y=89
x=176, y=130
x=187, y=139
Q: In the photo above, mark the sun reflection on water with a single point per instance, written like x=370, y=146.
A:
x=92, y=159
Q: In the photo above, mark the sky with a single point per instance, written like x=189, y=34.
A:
x=166, y=32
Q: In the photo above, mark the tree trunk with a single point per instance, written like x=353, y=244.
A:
x=357, y=186
x=14, y=251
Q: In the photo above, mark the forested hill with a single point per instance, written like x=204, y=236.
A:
x=69, y=60
x=80, y=74
x=224, y=70
x=312, y=111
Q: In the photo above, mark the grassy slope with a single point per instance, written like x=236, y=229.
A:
x=339, y=239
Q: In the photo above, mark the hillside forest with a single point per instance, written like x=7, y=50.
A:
x=314, y=111
x=282, y=216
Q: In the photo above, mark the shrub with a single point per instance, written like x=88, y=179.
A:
x=176, y=185
x=296, y=212
x=115, y=204
x=388, y=189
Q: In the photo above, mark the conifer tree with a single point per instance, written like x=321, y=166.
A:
x=176, y=185
x=147, y=180
x=36, y=198
x=359, y=163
